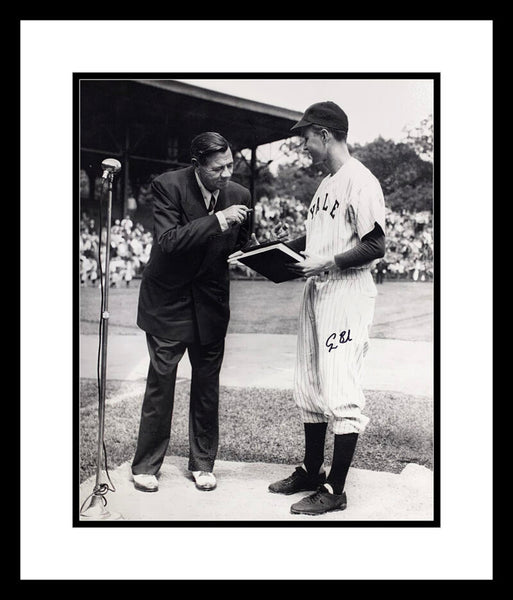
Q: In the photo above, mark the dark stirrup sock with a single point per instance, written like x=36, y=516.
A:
x=343, y=452
x=315, y=436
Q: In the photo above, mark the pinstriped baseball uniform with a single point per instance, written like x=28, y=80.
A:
x=338, y=306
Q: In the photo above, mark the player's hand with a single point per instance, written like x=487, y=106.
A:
x=253, y=241
x=280, y=232
x=312, y=265
x=235, y=214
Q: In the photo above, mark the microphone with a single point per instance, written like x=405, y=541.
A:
x=110, y=166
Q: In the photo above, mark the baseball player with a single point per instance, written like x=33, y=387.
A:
x=344, y=236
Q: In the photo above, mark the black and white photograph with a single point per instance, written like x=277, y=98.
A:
x=247, y=317
x=257, y=299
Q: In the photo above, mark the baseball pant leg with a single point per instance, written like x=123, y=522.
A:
x=307, y=391
x=344, y=318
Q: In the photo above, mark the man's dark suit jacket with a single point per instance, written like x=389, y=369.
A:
x=184, y=294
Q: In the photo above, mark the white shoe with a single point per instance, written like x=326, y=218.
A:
x=205, y=481
x=146, y=483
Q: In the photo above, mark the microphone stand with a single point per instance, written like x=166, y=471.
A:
x=96, y=509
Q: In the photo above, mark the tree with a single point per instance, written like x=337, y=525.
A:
x=242, y=174
x=420, y=138
x=406, y=178
x=403, y=169
x=296, y=176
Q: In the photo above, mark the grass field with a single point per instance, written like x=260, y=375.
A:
x=259, y=425
x=262, y=424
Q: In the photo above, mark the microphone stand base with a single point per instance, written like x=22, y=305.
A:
x=96, y=511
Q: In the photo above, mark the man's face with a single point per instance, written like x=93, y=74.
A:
x=217, y=171
x=314, y=145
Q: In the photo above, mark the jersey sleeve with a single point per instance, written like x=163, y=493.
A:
x=369, y=208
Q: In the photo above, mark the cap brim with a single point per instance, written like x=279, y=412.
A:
x=302, y=123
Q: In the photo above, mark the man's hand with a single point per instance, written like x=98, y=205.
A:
x=312, y=265
x=235, y=214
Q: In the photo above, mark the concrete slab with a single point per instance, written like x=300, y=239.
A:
x=242, y=496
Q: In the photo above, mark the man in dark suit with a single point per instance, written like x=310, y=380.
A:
x=199, y=220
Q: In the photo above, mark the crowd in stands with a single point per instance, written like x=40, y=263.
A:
x=409, y=246
x=268, y=213
x=409, y=239
x=130, y=247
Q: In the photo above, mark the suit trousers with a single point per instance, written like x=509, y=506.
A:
x=157, y=409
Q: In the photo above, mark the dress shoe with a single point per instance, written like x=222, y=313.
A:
x=205, y=481
x=299, y=481
x=146, y=483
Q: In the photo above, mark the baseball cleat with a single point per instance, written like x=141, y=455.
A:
x=299, y=481
x=321, y=502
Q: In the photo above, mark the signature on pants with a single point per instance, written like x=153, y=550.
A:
x=342, y=338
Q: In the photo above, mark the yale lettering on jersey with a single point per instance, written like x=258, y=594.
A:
x=326, y=206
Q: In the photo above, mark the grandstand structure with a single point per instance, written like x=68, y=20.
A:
x=148, y=125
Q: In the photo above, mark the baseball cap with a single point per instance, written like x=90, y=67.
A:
x=326, y=113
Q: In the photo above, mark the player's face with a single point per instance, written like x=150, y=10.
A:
x=314, y=145
x=217, y=171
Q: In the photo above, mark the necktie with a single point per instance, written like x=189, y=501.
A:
x=212, y=204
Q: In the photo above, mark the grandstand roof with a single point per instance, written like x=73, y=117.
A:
x=150, y=112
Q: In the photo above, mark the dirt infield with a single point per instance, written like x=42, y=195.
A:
x=261, y=336
x=404, y=310
x=267, y=360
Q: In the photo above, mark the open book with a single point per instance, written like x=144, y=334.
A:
x=269, y=259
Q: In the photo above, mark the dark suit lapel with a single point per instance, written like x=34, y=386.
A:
x=194, y=205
